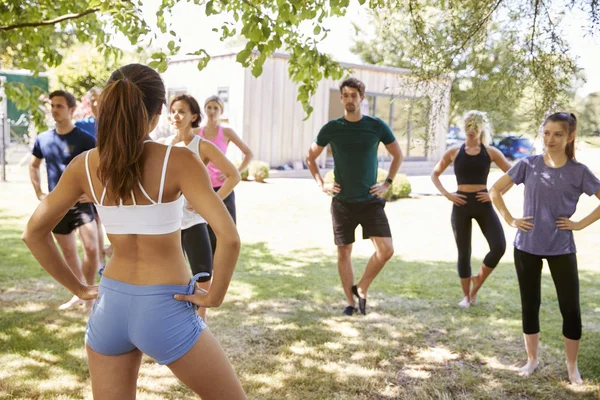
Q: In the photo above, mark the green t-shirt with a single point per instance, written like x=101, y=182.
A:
x=354, y=146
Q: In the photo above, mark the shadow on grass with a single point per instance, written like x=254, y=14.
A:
x=282, y=327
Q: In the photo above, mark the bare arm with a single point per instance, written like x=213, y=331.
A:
x=311, y=161
x=197, y=189
x=37, y=235
x=439, y=168
x=498, y=158
x=248, y=156
x=34, y=175
x=500, y=187
x=397, y=158
x=379, y=189
x=566, y=224
x=211, y=153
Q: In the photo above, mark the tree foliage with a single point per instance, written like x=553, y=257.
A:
x=33, y=34
x=493, y=50
x=589, y=117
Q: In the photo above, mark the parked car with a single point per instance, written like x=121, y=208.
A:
x=455, y=136
x=514, y=147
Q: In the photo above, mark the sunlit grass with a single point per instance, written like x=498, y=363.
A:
x=281, y=323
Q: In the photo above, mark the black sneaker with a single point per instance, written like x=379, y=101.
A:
x=362, y=303
x=350, y=310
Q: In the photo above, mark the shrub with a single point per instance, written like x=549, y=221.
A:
x=244, y=174
x=400, y=188
x=260, y=170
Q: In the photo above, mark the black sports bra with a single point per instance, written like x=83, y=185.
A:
x=472, y=170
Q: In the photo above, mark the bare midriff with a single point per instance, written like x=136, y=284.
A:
x=148, y=260
x=471, y=188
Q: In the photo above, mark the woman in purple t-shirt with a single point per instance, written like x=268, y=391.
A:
x=553, y=181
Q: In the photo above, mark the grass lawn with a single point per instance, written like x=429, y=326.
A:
x=281, y=323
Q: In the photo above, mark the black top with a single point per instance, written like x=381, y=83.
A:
x=472, y=170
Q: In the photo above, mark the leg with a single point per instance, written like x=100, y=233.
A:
x=462, y=226
x=529, y=274
x=114, y=377
x=345, y=271
x=344, y=224
x=88, y=233
x=494, y=234
x=206, y=370
x=532, y=345
x=68, y=246
x=384, y=250
x=566, y=280
x=196, y=246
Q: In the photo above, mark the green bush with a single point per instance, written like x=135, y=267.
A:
x=244, y=174
x=400, y=188
x=260, y=170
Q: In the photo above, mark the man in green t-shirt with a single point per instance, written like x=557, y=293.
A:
x=357, y=198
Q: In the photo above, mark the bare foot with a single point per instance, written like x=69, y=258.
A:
x=574, y=376
x=528, y=368
x=73, y=302
x=475, y=285
x=465, y=303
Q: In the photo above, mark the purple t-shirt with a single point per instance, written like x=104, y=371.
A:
x=550, y=193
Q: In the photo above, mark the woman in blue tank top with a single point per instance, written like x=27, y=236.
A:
x=553, y=181
x=472, y=163
x=147, y=298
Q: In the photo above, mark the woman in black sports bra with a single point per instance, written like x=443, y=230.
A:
x=471, y=201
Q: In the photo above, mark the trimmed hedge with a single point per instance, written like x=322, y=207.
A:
x=400, y=188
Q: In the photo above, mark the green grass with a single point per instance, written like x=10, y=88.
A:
x=281, y=323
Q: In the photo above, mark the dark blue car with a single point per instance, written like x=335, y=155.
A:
x=514, y=147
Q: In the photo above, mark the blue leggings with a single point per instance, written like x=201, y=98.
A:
x=489, y=223
x=146, y=317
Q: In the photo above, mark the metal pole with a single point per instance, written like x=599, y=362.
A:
x=3, y=129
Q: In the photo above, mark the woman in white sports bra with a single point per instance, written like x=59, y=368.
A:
x=147, y=298
x=186, y=115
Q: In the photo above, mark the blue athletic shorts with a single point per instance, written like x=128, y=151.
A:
x=126, y=317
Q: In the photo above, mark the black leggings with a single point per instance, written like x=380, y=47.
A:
x=563, y=269
x=230, y=204
x=490, y=225
x=196, y=247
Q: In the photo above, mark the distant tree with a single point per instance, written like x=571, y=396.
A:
x=33, y=33
x=589, y=119
x=493, y=50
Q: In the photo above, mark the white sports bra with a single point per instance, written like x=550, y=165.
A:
x=139, y=219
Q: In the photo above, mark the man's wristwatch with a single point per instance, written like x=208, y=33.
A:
x=389, y=181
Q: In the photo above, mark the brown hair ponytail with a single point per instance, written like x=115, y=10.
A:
x=133, y=95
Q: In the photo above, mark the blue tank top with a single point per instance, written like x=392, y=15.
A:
x=472, y=170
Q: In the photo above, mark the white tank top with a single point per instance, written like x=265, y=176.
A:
x=156, y=218
x=190, y=217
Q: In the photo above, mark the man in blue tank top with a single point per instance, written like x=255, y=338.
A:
x=357, y=198
x=58, y=147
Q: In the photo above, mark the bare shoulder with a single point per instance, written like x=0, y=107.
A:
x=492, y=151
x=451, y=153
x=228, y=131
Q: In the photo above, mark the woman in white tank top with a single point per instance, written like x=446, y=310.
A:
x=195, y=240
x=146, y=294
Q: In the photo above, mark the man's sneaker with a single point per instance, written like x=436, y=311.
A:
x=350, y=310
x=362, y=302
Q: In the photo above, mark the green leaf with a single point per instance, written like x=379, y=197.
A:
x=242, y=56
x=317, y=30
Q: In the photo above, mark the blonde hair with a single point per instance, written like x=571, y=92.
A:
x=481, y=121
x=217, y=100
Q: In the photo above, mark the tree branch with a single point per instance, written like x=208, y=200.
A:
x=50, y=21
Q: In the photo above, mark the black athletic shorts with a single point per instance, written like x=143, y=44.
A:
x=369, y=214
x=79, y=214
